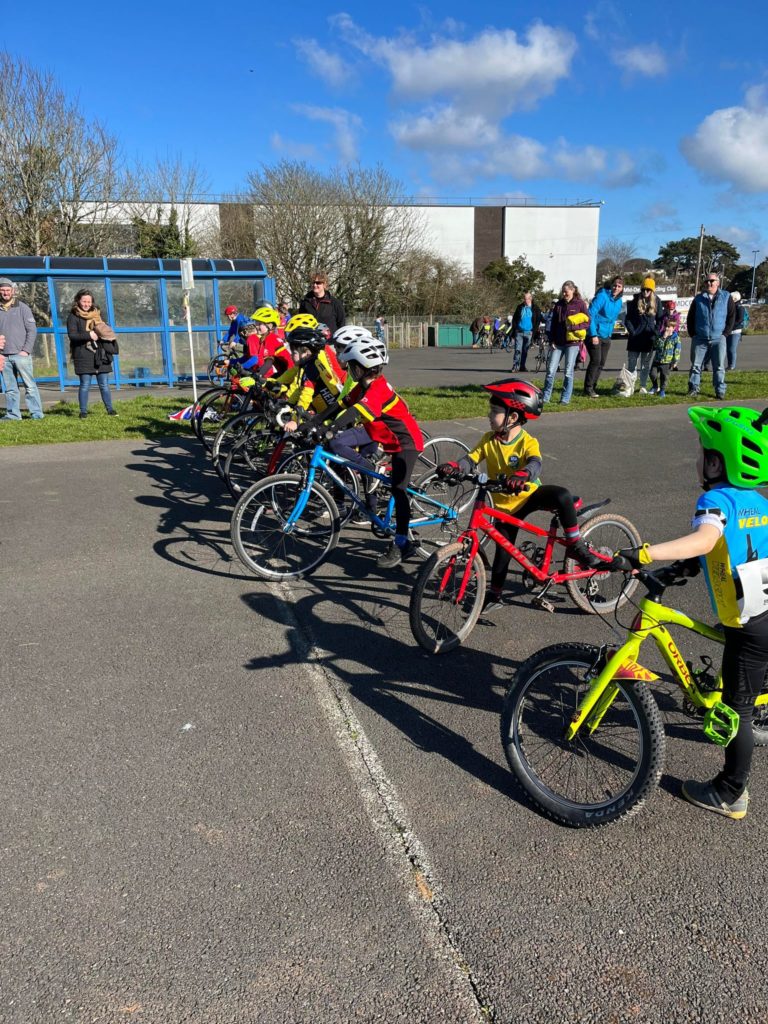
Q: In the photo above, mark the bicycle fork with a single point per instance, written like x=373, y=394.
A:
x=621, y=664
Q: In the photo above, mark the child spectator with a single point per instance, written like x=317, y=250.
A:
x=666, y=352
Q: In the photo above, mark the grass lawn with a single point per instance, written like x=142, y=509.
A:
x=147, y=416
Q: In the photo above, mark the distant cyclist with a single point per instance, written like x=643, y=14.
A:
x=236, y=321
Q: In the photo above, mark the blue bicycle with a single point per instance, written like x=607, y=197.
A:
x=286, y=525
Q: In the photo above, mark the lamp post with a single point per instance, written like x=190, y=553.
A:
x=754, y=267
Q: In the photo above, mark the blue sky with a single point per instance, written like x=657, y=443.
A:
x=659, y=109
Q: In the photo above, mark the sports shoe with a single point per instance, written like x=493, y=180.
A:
x=706, y=796
x=492, y=602
x=83, y=415
x=661, y=394
x=581, y=553
x=112, y=412
x=692, y=393
x=395, y=555
x=642, y=391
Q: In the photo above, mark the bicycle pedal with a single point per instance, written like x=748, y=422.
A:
x=543, y=603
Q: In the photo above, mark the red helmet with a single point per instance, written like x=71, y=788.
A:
x=670, y=304
x=516, y=393
x=230, y=310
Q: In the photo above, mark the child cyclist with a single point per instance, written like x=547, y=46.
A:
x=730, y=541
x=510, y=451
x=310, y=384
x=375, y=401
x=264, y=352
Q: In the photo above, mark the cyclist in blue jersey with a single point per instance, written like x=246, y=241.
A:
x=730, y=540
x=236, y=321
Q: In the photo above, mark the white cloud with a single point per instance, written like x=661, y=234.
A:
x=295, y=150
x=344, y=124
x=648, y=59
x=445, y=128
x=495, y=72
x=745, y=239
x=326, y=65
x=731, y=144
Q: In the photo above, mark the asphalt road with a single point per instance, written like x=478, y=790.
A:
x=228, y=801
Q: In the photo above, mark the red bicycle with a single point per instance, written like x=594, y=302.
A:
x=448, y=595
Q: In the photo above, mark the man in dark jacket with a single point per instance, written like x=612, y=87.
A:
x=18, y=331
x=711, y=318
x=525, y=323
x=319, y=303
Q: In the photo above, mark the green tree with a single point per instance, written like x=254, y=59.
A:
x=741, y=281
x=515, y=279
x=158, y=240
x=678, y=259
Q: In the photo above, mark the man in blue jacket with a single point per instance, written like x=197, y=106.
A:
x=604, y=311
x=711, y=317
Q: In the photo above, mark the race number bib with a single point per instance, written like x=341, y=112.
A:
x=753, y=577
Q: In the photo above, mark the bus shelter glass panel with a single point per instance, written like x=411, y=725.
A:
x=66, y=291
x=44, y=362
x=141, y=355
x=37, y=297
x=200, y=303
x=247, y=294
x=136, y=303
x=203, y=343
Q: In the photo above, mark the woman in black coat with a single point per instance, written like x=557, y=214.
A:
x=89, y=358
x=643, y=321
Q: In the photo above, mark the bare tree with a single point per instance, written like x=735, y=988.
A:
x=616, y=254
x=59, y=172
x=345, y=222
x=167, y=193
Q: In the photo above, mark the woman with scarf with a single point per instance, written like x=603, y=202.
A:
x=643, y=322
x=88, y=356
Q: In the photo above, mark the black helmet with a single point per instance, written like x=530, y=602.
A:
x=307, y=337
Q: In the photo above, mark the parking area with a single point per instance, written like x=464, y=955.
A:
x=228, y=800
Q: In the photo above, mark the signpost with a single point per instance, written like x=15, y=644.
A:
x=187, y=284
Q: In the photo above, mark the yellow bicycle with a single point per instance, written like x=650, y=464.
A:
x=581, y=730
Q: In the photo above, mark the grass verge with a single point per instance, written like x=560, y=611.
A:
x=147, y=416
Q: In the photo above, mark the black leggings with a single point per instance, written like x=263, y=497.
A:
x=402, y=467
x=745, y=660
x=549, y=498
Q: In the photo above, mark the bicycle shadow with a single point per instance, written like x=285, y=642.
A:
x=380, y=670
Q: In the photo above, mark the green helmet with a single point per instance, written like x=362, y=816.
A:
x=739, y=435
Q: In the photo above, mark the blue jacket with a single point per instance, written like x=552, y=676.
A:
x=234, y=327
x=711, y=320
x=603, y=313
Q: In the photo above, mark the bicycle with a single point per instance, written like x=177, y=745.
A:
x=285, y=526
x=541, y=353
x=448, y=595
x=581, y=730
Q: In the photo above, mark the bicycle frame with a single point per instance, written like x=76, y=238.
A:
x=649, y=624
x=324, y=460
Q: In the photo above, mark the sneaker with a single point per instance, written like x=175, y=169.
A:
x=720, y=398
x=395, y=555
x=581, y=553
x=83, y=415
x=591, y=394
x=705, y=795
x=692, y=393
x=492, y=602
x=112, y=412
x=642, y=391
x=661, y=394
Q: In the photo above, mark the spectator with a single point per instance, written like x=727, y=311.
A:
x=711, y=318
x=604, y=311
x=732, y=340
x=475, y=328
x=525, y=322
x=378, y=328
x=667, y=349
x=321, y=304
x=643, y=321
x=570, y=321
x=18, y=330
x=284, y=309
x=89, y=358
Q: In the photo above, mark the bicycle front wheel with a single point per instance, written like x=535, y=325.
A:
x=447, y=599
x=599, y=776
x=603, y=592
x=266, y=544
x=298, y=462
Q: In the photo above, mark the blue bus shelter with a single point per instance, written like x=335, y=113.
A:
x=142, y=300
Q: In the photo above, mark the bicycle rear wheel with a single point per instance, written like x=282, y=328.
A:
x=441, y=615
x=460, y=497
x=541, y=358
x=264, y=543
x=603, y=592
x=438, y=450
x=597, y=777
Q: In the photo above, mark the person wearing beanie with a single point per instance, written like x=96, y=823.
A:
x=643, y=320
x=18, y=331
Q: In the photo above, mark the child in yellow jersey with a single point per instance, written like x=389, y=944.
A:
x=509, y=450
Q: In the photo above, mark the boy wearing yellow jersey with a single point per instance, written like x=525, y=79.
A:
x=510, y=451
x=730, y=543
x=310, y=383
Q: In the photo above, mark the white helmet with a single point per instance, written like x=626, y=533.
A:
x=346, y=335
x=369, y=352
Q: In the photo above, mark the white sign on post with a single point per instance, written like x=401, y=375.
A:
x=187, y=284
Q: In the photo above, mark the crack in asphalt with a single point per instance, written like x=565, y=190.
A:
x=384, y=809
